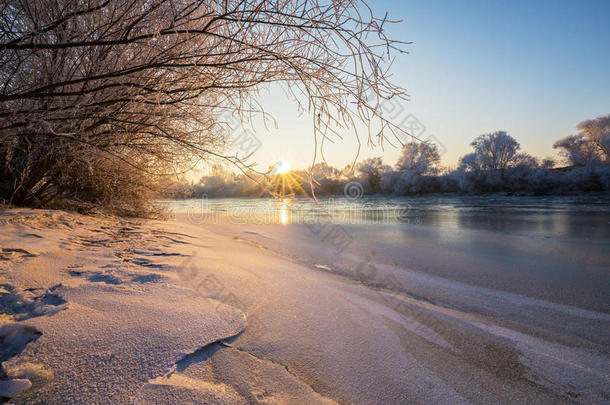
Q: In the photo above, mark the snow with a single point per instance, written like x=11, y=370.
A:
x=103, y=310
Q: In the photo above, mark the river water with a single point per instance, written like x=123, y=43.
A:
x=586, y=217
x=550, y=248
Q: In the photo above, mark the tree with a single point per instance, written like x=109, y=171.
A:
x=495, y=151
x=99, y=96
x=373, y=169
x=590, y=146
x=322, y=170
x=525, y=161
x=547, y=163
x=419, y=158
x=576, y=150
x=597, y=133
x=470, y=162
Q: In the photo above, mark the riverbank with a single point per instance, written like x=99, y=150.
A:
x=104, y=309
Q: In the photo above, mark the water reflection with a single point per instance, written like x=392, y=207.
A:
x=571, y=216
x=284, y=211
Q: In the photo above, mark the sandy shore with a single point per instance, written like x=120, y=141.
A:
x=101, y=310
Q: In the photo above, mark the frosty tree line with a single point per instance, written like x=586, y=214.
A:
x=496, y=164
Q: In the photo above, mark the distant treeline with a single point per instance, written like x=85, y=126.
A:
x=495, y=165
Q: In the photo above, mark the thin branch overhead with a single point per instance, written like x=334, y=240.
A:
x=140, y=85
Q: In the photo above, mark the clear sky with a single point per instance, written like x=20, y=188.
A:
x=532, y=68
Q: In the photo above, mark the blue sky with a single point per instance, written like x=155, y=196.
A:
x=532, y=68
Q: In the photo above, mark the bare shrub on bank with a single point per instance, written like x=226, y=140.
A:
x=99, y=99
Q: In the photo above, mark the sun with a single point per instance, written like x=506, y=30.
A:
x=281, y=167
x=283, y=182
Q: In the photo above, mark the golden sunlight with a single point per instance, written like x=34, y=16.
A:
x=284, y=212
x=281, y=167
x=283, y=182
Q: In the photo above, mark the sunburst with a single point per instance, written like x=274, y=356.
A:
x=284, y=182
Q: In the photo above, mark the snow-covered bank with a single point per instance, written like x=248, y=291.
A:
x=101, y=310
x=458, y=308
x=102, y=318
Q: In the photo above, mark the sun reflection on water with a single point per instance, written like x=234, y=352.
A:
x=284, y=212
